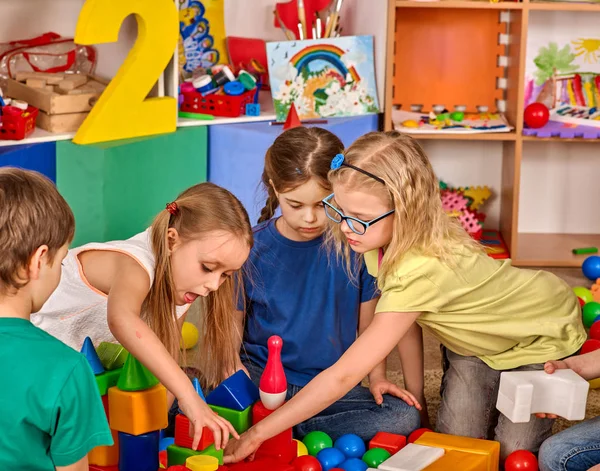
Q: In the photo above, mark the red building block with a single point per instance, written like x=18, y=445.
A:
x=94, y=467
x=388, y=441
x=282, y=446
x=105, y=404
x=263, y=464
x=182, y=434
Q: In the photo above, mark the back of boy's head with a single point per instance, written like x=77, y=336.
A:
x=295, y=157
x=202, y=208
x=32, y=214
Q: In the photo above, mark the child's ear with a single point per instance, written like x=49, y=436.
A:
x=37, y=260
x=173, y=239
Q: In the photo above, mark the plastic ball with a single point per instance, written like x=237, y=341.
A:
x=583, y=293
x=591, y=267
x=536, y=115
x=302, y=450
x=375, y=456
x=589, y=346
x=330, y=458
x=351, y=445
x=595, y=331
x=591, y=311
x=417, y=433
x=317, y=441
x=581, y=301
x=307, y=463
x=354, y=464
x=521, y=460
x=189, y=335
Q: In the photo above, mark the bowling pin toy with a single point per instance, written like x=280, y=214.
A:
x=273, y=385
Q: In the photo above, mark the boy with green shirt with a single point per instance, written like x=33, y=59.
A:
x=51, y=414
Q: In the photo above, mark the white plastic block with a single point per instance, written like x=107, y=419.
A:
x=412, y=458
x=522, y=393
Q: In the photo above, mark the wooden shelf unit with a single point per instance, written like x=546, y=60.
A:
x=526, y=249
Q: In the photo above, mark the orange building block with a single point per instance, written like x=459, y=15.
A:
x=106, y=455
x=138, y=412
x=487, y=448
x=459, y=460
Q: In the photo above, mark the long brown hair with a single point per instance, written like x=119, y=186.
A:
x=295, y=157
x=202, y=208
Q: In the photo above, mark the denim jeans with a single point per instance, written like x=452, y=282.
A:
x=574, y=449
x=356, y=413
x=469, y=393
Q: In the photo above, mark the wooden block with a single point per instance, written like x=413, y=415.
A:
x=459, y=460
x=51, y=79
x=412, y=457
x=69, y=122
x=487, y=448
x=106, y=455
x=45, y=100
x=36, y=83
x=138, y=412
x=77, y=79
x=49, y=88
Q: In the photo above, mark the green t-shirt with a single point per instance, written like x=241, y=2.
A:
x=50, y=411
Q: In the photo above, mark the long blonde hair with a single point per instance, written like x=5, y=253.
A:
x=411, y=188
x=202, y=208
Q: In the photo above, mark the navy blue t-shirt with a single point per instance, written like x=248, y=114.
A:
x=303, y=294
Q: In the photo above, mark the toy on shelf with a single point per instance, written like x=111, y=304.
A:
x=17, y=123
x=447, y=122
x=523, y=393
x=465, y=204
x=536, y=115
x=302, y=19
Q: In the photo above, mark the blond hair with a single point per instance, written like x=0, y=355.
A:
x=201, y=209
x=411, y=188
x=295, y=157
x=32, y=214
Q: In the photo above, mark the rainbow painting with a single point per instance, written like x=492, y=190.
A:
x=323, y=77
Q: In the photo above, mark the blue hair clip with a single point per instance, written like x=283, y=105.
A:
x=337, y=161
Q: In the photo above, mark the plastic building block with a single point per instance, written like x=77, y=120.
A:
x=281, y=446
x=137, y=412
x=106, y=455
x=202, y=463
x=388, y=441
x=523, y=393
x=252, y=109
x=139, y=452
x=94, y=467
x=107, y=380
x=490, y=450
x=182, y=434
x=212, y=451
x=237, y=392
x=178, y=455
x=88, y=351
x=135, y=376
x=292, y=120
x=198, y=389
x=459, y=460
x=112, y=355
x=261, y=465
x=239, y=419
x=412, y=457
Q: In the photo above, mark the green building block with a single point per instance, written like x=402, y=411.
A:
x=116, y=189
x=108, y=379
x=241, y=420
x=112, y=355
x=212, y=451
x=135, y=376
x=177, y=455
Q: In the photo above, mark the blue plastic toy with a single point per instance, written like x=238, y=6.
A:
x=88, y=351
x=237, y=392
x=354, y=464
x=330, y=458
x=591, y=267
x=252, y=109
x=351, y=445
x=139, y=452
x=165, y=442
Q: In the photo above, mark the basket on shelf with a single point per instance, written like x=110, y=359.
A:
x=16, y=123
x=217, y=104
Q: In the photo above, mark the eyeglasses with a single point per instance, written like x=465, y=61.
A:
x=356, y=225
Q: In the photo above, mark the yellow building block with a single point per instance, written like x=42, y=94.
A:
x=488, y=448
x=202, y=463
x=106, y=455
x=138, y=412
x=459, y=460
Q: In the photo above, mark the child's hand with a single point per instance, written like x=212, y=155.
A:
x=382, y=386
x=550, y=367
x=200, y=415
x=245, y=447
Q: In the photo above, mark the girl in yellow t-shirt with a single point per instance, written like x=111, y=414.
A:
x=489, y=316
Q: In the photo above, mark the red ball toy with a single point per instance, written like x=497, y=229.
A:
x=536, y=115
x=589, y=346
x=413, y=437
x=307, y=463
x=595, y=331
x=581, y=301
x=521, y=460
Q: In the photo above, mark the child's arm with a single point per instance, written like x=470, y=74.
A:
x=239, y=324
x=378, y=340
x=81, y=465
x=587, y=365
x=129, y=288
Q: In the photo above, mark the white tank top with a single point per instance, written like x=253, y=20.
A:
x=76, y=309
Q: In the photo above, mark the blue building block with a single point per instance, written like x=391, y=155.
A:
x=252, y=109
x=237, y=392
x=39, y=157
x=139, y=452
x=198, y=389
x=88, y=351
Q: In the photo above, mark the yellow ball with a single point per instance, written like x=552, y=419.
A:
x=189, y=335
x=302, y=450
x=410, y=123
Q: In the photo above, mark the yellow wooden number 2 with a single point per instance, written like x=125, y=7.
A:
x=123, y=111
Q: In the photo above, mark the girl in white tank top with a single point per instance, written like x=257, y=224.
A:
x=137, y=292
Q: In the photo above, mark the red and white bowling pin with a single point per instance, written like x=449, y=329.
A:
x=273, y=385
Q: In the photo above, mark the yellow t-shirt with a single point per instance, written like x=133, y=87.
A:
x=487, y=308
